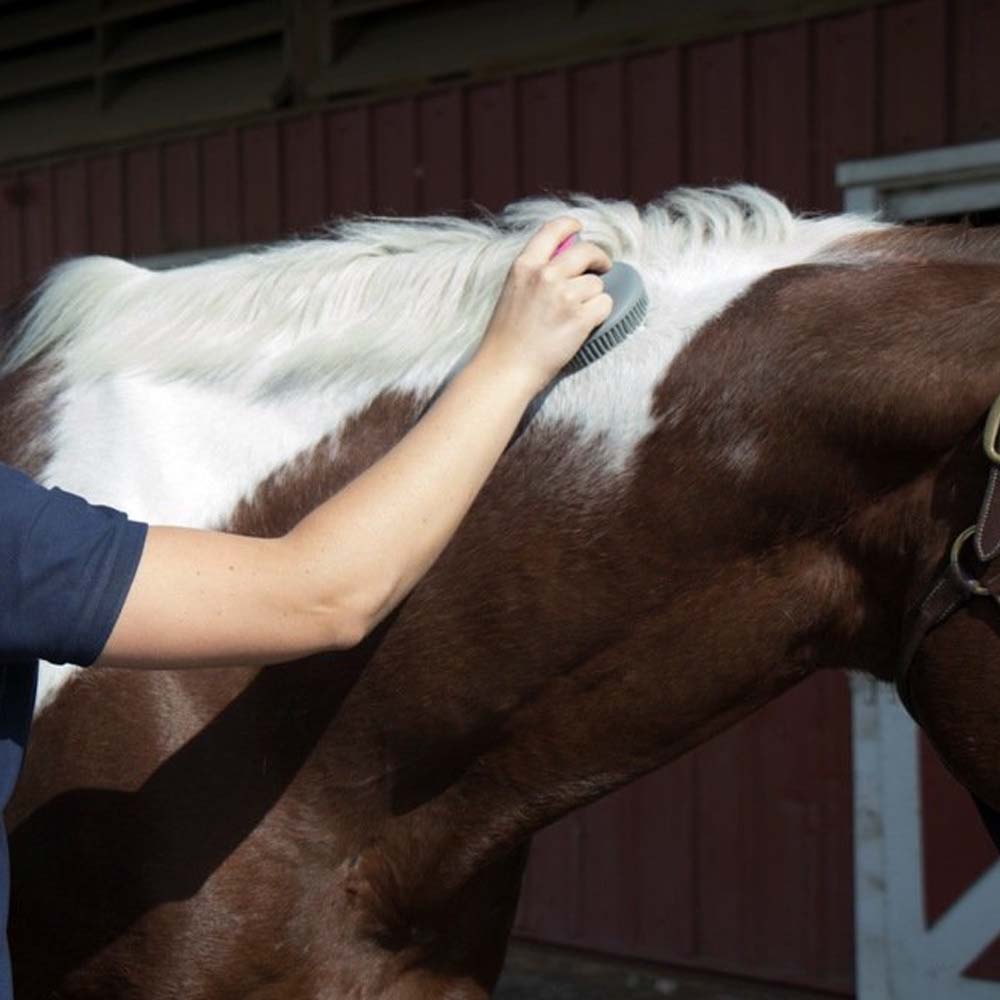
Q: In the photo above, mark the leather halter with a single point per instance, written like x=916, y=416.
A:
x=955, y=585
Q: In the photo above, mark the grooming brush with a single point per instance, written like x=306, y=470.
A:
x=631, y=303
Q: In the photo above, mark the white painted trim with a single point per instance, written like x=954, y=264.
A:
x=936, y=166
x=925, y=203
x=897, y=957
x=872, y=946
x=924, y=183
x=970, y=925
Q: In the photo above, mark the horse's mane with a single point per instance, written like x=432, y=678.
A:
x=375, y=297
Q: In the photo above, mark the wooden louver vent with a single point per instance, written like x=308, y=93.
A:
x=87, y=70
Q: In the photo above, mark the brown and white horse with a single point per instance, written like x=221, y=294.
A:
x=756, y=485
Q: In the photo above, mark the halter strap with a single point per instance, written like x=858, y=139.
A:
x=955, y=585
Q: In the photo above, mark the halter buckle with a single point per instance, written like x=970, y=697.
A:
x=968, y=583
x=991, y=432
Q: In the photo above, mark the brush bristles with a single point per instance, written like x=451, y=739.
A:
x=601, y=341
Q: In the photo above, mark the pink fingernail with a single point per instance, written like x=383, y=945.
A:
x=565, y=245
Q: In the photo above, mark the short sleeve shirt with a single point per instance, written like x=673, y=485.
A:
x=65, y=569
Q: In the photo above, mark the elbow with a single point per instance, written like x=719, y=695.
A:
x=340, y=608
x=343, y=631
x=350, y=619
x=344, y=625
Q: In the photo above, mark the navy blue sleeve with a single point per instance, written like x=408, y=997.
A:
x=65, y=569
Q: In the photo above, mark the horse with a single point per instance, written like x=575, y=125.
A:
x=760, y=483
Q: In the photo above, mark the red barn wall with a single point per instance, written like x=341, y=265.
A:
x=738, y=856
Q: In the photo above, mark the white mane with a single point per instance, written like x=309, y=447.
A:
x=381, y=299
x=180, y=391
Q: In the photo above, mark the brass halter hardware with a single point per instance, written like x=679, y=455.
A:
x=968, y=583
x=991, y=432
x=953, y=587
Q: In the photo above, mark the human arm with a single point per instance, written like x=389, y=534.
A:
x=211, y=598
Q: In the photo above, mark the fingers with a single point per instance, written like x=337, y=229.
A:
x=580, y=257
x=540, y=249
x=553, y=244
x=585, y=287
x=598, y=309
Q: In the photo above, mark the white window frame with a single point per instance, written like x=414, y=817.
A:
x=924, y=184
x=896, y=956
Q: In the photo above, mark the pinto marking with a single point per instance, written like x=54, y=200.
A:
x=245, y=362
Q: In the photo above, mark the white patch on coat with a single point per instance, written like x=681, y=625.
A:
x=185, y=388
x=178, y=453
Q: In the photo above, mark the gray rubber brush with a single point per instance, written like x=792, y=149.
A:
x=631, y=303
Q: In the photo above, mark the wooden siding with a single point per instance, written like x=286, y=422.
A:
x=738, y=856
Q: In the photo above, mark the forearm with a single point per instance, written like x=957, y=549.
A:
x=204, y=598
x=366, y=547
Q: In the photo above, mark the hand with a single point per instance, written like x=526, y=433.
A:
x=548, y=306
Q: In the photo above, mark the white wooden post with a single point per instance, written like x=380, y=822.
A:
x=897, y=956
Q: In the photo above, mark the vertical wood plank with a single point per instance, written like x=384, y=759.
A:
x=261, y=189
x=914, y=80
x=107, y=205
x=349, y=157
x=599, y=129
x=181, y=195
x=11, y=250
x=549, y=904
x=773, y=855
x=546, y=138
x=977, y=70
x=442, y=143
x=72, y=228
x=722, y=887
x=493, y=145
x=655, y=137
x=833, y=805
x=845, y=110
x=303, y=174
x=222, y=224
x=716, y=118
x=779, y=113
x=143, y=202
x=783, y=855
x=395, y=161
x=663, y=878
x=39, y=228
x=607, y=879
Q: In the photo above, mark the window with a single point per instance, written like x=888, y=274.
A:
x=953, y=181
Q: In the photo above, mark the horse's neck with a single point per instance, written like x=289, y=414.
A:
x=850, y=391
